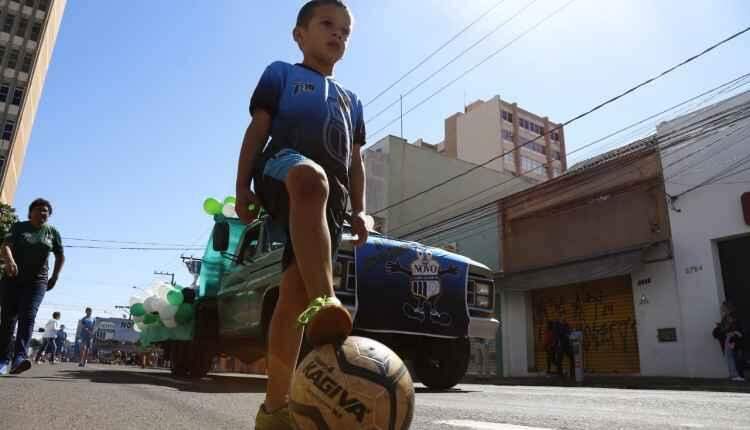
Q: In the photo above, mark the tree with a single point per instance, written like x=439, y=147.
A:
x=8, y=217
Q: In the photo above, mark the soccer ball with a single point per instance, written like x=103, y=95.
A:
x=360, y=384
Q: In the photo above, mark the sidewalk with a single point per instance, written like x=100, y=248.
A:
x=622, y=382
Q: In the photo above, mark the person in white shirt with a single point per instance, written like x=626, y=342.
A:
x=50, y=334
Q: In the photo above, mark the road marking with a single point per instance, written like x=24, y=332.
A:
x=480, y=425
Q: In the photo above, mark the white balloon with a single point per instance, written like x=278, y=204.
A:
x=167, y=312
x=169, y=323
x=163, y=289
x=151, y=304
x=135, y=299
x=138, y=327
x=229, y=210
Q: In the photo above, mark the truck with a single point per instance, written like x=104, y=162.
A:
x=424, y=303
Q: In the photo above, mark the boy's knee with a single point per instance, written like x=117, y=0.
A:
x=307, y=182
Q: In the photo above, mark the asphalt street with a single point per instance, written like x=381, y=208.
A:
x=64, y=396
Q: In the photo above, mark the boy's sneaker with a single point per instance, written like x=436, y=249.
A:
x=327, y=321
x=4, y=367
x=280, y=419
x=20, y=365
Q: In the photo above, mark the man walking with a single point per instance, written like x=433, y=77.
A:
x=85, y=336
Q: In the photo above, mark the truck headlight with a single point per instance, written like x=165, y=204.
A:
x=483, y=301
x=483, y=289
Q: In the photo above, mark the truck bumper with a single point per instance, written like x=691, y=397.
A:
x=483, y=328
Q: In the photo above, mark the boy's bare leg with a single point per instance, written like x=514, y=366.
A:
x=284, y=338
x=307, y=186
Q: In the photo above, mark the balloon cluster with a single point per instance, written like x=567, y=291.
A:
x=163, y=306
x=215, y=207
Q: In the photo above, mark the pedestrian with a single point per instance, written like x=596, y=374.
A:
x=551, y=345
x=732, y=334
x=565, y=348
x=25, y=251
x=85, y=333
x=49, y=339
x=303, y=178
x=62, y=337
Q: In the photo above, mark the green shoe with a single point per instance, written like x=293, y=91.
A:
x=327, y=321
x=280, y=419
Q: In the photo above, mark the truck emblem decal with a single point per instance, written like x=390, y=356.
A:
x=426, y=287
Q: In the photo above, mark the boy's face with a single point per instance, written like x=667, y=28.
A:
x=326, y=35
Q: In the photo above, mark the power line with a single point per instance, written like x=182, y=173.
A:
x=575, y=118
x=79, y=239
x=453, y=60
x=130, y=248
x=502, y=48
x=433, y=53
x=719, y=88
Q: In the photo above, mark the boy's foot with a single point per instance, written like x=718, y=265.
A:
x=280, y=419
x=327, y=321
x=20, y=365
x=4, y=367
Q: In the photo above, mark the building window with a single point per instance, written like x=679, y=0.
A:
x=17, y=96
x=44, y=5
x=22, y=26
x=556, y=171
x=4, y=90
x=534, y=146
x=556, y=155
x=8, y=23
x=528, y=165
x=2, y=54
x=2, y=163
x=30, y=3
x=556, y=136
x=8, y=129
x=13, y=58
x=26, y=65
x=507, y=116
x=506, y=134
x=36, y=30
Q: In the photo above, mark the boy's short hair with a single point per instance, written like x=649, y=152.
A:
x=55, y=315
x=308, y=10
x=88, y=310
x=40, y=203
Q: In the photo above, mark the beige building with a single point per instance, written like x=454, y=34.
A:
x=487, y=129
x=28, y=31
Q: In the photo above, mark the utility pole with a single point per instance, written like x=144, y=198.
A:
x=402, y=116
x=165, y=274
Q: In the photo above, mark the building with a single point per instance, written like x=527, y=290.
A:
x=397, y=170
x=707, y=178
x=577, y=249
x=487, y=129
x=28, y=31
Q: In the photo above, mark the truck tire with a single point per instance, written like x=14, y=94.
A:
x=179, y=354
x=443, y=364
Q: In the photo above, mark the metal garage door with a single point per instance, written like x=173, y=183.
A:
x=603, y=311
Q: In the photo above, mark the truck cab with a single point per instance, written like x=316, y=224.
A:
x=424, y=303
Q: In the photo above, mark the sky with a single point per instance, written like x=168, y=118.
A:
x=145, y=102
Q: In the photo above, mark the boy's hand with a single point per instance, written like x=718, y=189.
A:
x=361, y=225
x=245, y=198
x=12, y=269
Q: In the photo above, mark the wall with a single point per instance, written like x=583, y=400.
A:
x=478, y=134
x=661, y=311
x=698, y=220
x=515, y=320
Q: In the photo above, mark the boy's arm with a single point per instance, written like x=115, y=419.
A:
x=357, y=180
x=256, y=136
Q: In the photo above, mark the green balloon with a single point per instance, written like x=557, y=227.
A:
x=230, y=200
x=150, y=319
x=137, y=310
x=184, y=313
x=174, y=297
x=212, y=206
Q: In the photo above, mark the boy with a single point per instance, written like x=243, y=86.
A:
x=85, y=332
x=49, y=337
x=302, y=177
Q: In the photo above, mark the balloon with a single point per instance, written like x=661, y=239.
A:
x=175, y=297
x=163, y=289
x=150, y=318
x=138, y=327
x=151, y=304
x=167, y=312
x=135, y=299
x=184, y=313
x=138, y=319
x=229, y=210
x=230, y=200
x=170, y=323
x=212, y=206
x=137, y=310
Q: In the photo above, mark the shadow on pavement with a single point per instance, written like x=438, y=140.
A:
x=213, y=383
x=425, y=390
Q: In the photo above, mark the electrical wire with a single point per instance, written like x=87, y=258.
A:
x=124, y=242
x=433, y=53
x=575, y=118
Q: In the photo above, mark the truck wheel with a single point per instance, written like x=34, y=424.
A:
x=179, y=354
x=442, y=364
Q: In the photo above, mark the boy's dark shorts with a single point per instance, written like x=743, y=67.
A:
x=270, y=179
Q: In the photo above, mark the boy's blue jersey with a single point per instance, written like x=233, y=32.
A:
x=313, y=115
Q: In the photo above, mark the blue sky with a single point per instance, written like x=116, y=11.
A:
x=145, y=104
